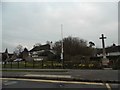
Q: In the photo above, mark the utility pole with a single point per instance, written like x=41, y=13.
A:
x=105, y=61
x=62, y=51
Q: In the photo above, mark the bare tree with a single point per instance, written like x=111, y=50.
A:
x=18, y=50
x=73, y=47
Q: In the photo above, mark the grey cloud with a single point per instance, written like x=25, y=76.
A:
x=29, y=23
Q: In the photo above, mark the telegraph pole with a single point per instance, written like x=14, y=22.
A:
x=62, y=51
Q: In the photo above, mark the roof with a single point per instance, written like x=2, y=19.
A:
x=42, y=47
x=109, y=49
x=10, y=55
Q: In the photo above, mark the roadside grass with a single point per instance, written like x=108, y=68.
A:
x=41, y=65
x=50, y=65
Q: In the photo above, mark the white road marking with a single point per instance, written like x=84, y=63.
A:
x=9, y=82
x=55, y=81
x=108, y=86
x=5, y=81
x=59, y=76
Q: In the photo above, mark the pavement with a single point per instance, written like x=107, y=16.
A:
x=71, y=74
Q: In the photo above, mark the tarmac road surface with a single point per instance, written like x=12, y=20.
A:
x=84, y=74
x=37, y=83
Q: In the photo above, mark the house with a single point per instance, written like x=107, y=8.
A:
x=42, y=52
x=25, y=54
x=0, y=57
x=5, y=56
x=110, y=51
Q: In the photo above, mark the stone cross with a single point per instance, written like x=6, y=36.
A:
x=103, y=45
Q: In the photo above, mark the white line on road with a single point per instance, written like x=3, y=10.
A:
x=9, y=82
x=54, y=81
x=59, y=76
x=108, y=86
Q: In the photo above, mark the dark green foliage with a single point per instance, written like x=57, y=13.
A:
x=74, y=48
x=116, y=65
x=4, y=56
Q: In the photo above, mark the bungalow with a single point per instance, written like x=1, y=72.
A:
x=112, y=54
x=110, y=51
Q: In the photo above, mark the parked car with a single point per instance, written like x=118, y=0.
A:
x=18, y=59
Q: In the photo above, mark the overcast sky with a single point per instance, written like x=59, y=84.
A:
x=27, y=23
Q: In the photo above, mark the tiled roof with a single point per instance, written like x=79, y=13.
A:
x=10, y=55
x=42, y=47
x=109, y=49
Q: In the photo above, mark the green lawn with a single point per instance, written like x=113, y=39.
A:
x=45, y=64
x=50, y=65
x=34, y=70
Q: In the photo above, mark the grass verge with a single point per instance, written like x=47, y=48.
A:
x=34, y=70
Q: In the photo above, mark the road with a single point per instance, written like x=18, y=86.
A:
x=83, y=74
x=35, y=83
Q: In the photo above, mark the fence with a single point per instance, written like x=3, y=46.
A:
x=44, y=64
